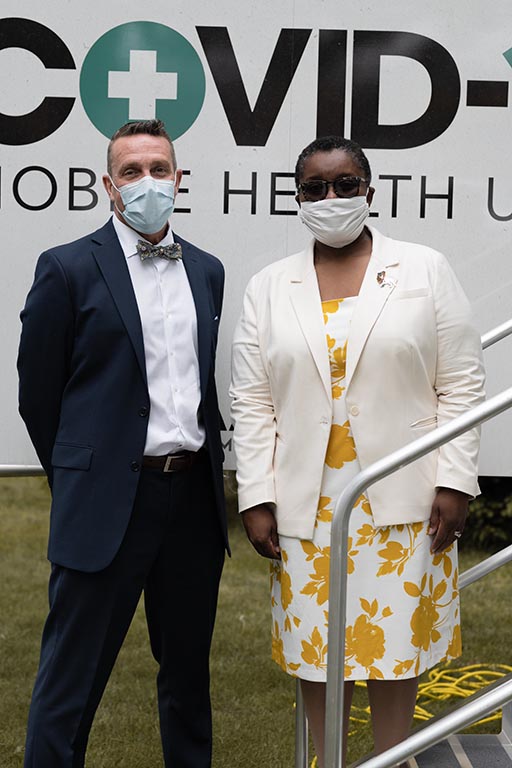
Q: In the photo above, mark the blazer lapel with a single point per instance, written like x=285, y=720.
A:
x=112, y=263
x=378, y=284
x=307, y=304
x=200, y=292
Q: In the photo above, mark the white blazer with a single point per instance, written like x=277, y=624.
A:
x=413, y=361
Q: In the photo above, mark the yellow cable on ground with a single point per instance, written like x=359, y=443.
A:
x=442, y=684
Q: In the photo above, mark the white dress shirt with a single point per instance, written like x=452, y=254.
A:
x=169, y=327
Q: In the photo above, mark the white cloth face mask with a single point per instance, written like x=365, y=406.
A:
x=148, y=203
x=336, y=221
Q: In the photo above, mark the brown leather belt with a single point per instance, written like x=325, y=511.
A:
x=173, y=462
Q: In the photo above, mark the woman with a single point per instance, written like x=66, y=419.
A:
x=343, y=353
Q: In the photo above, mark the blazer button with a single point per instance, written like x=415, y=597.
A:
x=354, y=410
x=144, y=411
x=135, y=466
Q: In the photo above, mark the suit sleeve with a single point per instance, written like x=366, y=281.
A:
x=216, y=279
x=459, y=382
x=220, y=289
x=252, y=409
x=44, y=355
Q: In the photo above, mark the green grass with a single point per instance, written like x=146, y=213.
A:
x=252, y=699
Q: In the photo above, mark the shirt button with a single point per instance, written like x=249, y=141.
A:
x=354, y=410
x=144, y=411
x=134, y=466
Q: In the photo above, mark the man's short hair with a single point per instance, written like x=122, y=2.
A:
x=150, y=127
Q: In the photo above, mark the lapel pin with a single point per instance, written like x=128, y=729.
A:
x=383, y=280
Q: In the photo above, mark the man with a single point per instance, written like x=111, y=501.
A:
x=117, y=390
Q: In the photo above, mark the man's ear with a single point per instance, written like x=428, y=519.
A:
x=107, y=183
x=178, y=175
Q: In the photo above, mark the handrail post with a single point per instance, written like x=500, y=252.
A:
x=301, y=729
x=339, y=555
x=506, y=722
x=334, y=746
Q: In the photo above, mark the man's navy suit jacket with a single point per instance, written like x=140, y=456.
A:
x=83, y=389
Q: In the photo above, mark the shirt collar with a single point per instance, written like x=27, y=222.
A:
x=128, y=237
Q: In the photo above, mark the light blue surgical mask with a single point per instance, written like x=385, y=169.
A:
x=148, y=203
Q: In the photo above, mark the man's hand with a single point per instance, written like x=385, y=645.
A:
x=261, y=528
x=448, y=517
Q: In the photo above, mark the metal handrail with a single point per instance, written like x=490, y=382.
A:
x=479, y=705
x=492, y=408
x=21, y=470
x=481, y=569
x=485, y=567
x=339, y=558
x=497, y=334
x=478, y=571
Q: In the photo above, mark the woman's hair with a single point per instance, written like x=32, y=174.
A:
x=327, y=144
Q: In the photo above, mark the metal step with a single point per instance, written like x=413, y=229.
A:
x=467, y=751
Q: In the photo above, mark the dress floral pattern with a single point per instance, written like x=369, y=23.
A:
x=403, y=602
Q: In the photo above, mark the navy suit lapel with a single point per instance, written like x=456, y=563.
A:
x=201, y=294
x=112, y=263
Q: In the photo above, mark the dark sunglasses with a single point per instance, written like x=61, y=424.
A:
x=317, y=189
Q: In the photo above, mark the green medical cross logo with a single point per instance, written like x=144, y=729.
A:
x=139, y=71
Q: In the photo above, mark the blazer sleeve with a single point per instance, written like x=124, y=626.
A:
x=217, y=286
x=459, y=381
x=44, y=355
x=252, y=408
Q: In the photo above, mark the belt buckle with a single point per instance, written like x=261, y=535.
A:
x=168, y=462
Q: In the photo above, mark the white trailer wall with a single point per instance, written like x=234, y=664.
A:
x=425, y=87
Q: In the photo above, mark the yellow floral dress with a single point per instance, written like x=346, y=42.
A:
x=403, y=602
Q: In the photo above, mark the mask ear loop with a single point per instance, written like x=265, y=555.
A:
x=112, y=182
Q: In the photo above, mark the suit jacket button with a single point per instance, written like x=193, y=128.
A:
x=135, y=466
x=144, y=411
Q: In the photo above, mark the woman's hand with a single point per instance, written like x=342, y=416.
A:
x=448, y=517
x=261, y=528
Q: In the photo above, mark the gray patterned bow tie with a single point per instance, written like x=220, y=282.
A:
x=148, y=251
